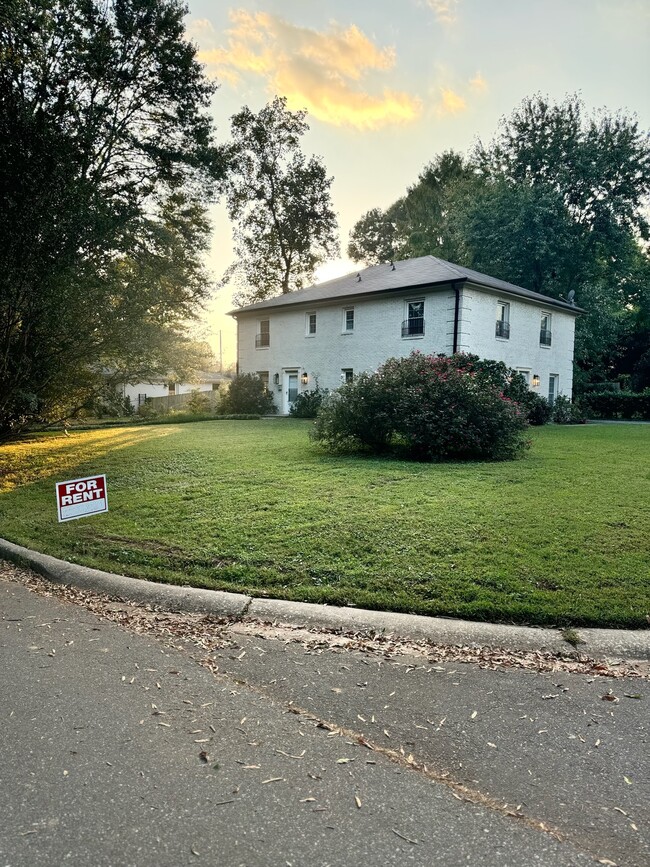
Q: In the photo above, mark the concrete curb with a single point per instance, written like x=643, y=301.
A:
x=598, y=643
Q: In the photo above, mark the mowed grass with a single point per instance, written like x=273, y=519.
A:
x=559, y=537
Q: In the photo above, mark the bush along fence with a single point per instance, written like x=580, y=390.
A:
x=617, y=404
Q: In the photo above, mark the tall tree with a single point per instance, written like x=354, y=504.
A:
x=418, y=223
x=279, y=202
x=594, y=172
x=557, y=201
x=106, y=162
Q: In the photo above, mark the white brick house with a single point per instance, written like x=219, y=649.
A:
x=334, y=330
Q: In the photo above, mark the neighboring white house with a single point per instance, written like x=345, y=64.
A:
x=334, y=330
x=167, y=387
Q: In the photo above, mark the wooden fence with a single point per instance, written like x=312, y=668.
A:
x=178, y=401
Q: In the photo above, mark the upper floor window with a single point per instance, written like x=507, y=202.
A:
x=413, y=325
x=348, y=320
x=171, y=388
x=263, y=337
x=347, y=375
x=545, y=330
x=311, y=324
x=503, y=320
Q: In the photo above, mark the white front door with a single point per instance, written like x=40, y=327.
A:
x=289, y=390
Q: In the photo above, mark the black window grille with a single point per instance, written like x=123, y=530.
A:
x=545, y=337
x=412, y=327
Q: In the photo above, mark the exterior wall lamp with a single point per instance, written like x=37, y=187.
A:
x=304, y=378
x=536, y=380
x=276, y=379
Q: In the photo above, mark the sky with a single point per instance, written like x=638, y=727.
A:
x=389, y=84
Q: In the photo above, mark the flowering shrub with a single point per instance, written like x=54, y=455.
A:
x=427, y=408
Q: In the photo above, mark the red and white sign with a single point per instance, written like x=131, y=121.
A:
x=79, y=498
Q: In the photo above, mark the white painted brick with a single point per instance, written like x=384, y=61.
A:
x=377, y=336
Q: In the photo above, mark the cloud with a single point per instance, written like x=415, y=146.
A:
x=450, y=103
x=478, y=84
x=444, y=10
x=320, y=71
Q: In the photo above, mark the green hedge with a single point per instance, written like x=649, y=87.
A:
x=618, y=404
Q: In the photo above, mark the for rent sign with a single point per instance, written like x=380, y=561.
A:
x=79, y=498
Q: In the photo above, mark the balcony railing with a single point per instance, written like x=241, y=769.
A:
x=544, y=337
x=503, y=329
x=263, y=339
x=413, y=327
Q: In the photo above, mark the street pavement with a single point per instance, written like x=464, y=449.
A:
x=261, y=747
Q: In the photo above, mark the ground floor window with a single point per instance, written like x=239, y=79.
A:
x=553, y=383
x=264, y=376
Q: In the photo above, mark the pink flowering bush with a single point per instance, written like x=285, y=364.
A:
x=428, y=408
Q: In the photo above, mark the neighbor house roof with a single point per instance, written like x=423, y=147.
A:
x=420, y=273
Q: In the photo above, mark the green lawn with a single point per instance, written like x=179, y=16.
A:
x=561, y=536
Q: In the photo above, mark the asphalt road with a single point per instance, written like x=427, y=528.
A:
x=119, y=749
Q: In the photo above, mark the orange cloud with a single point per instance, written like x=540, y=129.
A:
x=319, y=71
x=478, y=84
x=450, y=103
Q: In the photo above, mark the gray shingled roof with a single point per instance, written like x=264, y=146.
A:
x=422, y=272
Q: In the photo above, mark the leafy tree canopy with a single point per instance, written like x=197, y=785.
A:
x=279, y=202
x=106, y=165
x=557, y=201
x=417, y=224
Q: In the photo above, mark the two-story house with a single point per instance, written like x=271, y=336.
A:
x=333, y=330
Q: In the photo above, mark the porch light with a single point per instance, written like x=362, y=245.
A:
x=304, y=378
x=276, y=379
x=536, y=380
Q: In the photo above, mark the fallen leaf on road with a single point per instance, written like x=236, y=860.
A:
x=628, y=780
x=473, y=716
x=358, y=802
x=610, y=697
x=272, y=780
x=204, y=756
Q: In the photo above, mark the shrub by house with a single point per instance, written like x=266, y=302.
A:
x=429, y=408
